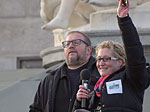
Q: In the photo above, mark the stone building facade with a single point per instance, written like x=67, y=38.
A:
x=21, y=36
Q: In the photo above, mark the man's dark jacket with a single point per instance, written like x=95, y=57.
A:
x=45, y=96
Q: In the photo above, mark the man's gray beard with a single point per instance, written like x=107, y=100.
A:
x=75, y=61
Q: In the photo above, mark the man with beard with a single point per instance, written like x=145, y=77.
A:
x=57, y=91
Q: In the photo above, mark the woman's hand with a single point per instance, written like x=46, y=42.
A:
x=122, y=10
x=82, y=93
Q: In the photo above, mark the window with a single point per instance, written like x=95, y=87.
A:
x=29, y=62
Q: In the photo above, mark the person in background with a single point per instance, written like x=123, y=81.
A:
x=124, y=76
x=57, y=91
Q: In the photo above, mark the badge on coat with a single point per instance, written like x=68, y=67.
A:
x=114, y=87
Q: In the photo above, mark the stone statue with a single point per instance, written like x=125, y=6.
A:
x=62, y=14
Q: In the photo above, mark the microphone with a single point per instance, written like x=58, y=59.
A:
x=84, y=76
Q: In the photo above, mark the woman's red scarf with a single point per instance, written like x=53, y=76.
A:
x=99, y=84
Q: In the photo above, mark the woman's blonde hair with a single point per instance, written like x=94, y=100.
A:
x=117, y=50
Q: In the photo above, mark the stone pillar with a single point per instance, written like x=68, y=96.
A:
x=59, y=36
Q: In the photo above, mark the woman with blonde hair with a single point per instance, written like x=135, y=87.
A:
x=124, y=78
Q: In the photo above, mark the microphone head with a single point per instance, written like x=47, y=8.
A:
x=84, y=74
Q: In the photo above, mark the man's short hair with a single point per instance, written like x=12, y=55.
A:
x=86, y=38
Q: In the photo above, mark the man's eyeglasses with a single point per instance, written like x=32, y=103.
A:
x=76, y=42
x=105, y=59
